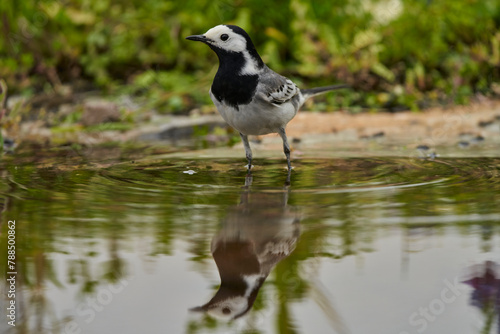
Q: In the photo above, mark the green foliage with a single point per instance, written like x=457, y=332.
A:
x=407, y=53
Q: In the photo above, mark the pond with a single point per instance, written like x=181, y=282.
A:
x=164, y=245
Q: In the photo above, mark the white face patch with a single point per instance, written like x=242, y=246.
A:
x=234, y=43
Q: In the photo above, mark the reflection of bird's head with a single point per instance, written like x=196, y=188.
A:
x=241, y=279
x=224, y=306
x=226, y=310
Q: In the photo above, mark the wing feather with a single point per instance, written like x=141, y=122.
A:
x=283, y=93
x=276, y=89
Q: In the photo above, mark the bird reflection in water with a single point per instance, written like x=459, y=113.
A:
x=485, y=282
x=255, y=235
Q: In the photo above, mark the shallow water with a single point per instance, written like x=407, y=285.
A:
x=368, y=245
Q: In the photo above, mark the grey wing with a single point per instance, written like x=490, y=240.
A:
x=276, y=89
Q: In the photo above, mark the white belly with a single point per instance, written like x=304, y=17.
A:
x=252, y=120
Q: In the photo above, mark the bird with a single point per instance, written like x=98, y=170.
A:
x=252, y=98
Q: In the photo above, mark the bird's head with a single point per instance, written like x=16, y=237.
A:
x=228, y=41
x=225, y=37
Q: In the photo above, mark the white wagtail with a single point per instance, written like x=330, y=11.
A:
x=250, y=96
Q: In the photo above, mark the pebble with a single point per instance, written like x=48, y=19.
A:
x=8, y=144
x=423, y=147
x=100, y=111
x=477, y=139
x=373, y=136
x=432, y=155
x=484, y=124
x=463, y=144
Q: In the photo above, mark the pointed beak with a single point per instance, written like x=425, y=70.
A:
x=199, y=38
x=198, y=309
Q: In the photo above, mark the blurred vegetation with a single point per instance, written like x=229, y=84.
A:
x=396, y=54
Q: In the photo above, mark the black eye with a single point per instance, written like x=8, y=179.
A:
x=224, y=37
x=226, y=310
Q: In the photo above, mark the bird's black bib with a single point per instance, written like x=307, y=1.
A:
x=229, y=86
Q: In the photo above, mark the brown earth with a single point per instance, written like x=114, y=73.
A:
x=434, y=127
x=458, y=130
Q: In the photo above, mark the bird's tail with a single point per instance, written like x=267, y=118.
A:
x=307, y=93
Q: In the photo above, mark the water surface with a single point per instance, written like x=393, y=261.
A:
x=366, y=245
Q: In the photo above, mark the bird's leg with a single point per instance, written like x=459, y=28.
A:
x=246, y=192
x=286, y=147
x=248, y=150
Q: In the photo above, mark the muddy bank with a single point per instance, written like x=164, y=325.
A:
x=458, y=130
x=472, y=130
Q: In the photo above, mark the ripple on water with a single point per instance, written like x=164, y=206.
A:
x=353, y=245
